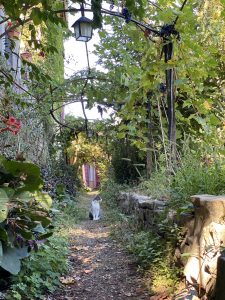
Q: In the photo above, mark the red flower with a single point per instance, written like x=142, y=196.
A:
x=14, y=131
x=13, y=125
x=11, y=121
x=18, y=124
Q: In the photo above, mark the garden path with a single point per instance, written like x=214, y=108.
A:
x=100, y=268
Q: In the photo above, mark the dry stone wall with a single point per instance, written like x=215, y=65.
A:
x=144, y=208
x=203, y=242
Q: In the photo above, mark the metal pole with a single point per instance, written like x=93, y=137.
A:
x=168, y=51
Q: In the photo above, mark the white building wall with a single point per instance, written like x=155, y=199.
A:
x=2, y=30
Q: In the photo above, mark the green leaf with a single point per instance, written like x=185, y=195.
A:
x=3, y=234
x=10, y=261
x=1, y=252
x=45, y=221
x=3, y=205
x=28, y=173
x=26, y=234
x=43, y=199
x=9, y=191
x=121, y=135
x=24, y=196
x=39, y=228
x=36, y=16
x=45, y=236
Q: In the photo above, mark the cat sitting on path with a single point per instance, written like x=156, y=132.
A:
x=95, y=212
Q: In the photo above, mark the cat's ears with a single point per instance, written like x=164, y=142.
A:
x=98, y=198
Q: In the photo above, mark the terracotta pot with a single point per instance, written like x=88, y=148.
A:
x=26, y=56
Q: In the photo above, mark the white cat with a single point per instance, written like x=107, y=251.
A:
x=95, y=208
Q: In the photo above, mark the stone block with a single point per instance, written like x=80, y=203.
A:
x=204, y=240
x=143, y=208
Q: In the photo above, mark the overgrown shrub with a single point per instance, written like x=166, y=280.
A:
x=146, y=247
x=124, y=158
x=110, y=192
x=196, y=175
x=41, y=271
x=158, y=186
x=24, y=212
x=153, y=251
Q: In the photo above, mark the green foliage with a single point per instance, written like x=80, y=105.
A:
x=140, y=69
x=96, y=7
x=152, y=248
x=164, y=276
x=200, y=171
x=24, y=214
x=89, y=150
x=198, y=174
x=70, y=215
x=154, y=255
x=110, y=191
x=158, y=186
x=124, y=160
x=41, y=271
x=146, y=247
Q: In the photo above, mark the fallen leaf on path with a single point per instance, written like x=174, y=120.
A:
x=77, y=278
x=88, y=271
x=87, y=260
x=78, y=248
x=85, y=248
x=67, y=280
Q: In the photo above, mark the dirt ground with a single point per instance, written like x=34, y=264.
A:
x=100, y=268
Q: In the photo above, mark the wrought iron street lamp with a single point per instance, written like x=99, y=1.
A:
x=83, y=27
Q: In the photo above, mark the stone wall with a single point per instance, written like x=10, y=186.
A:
x=203, y=243
x=204, y=238
x=144, y=208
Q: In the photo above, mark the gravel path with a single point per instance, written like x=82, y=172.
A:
x=100, y=268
